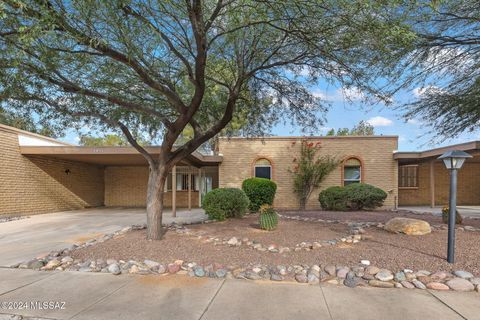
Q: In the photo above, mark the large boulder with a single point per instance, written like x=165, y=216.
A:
x=414, y=227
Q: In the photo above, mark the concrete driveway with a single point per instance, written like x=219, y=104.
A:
x=466, y=211
x=24, y=239
x=93, y=296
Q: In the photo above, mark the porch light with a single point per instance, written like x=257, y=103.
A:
x=453, y=160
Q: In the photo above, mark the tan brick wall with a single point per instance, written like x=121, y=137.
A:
x=127, y=186
x=379, y=167
x=39, y=184
x=468, y=189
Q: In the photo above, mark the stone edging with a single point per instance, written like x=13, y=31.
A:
x=362, y=274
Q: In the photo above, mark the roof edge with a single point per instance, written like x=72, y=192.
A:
x=311, y=137
x=4, y=127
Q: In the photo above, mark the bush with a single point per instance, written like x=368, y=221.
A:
x=333, y=198
x=268, y=218
x=446, y=214
x=259, y=191
x=355, y=196
x=223, y=203
x=364, y=196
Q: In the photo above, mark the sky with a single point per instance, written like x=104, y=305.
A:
x=412, y=135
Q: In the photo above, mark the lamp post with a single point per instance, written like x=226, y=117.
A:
x=453, y=160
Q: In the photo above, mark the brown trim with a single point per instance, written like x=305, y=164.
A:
x=90, y=154
x=362, y=168
x=389, y=137
x=407, y=188
x=272, y=166
x=472, y=145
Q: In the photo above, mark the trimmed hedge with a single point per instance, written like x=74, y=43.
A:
x=259, y=191
x=223, y=203
x=333, y=198
x=355, y=196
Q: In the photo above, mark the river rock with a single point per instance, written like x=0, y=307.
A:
x=331, y=270
x=463, y=274
x=418, y=284
x=408, y=226
x=459, y=284
x=384, y=275
x=437, y=286
x=114, y=268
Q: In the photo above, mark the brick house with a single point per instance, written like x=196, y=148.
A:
x=40, y=174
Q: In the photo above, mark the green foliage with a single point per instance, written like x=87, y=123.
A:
x=259, y=191
x=27, y=123
x=446, y=215
x=333, y=198
x=108, y=140
x=310, y=170
x=268, y=218
x=364, y=196
x=444, y=69
x=223, y=203
x=355, y=196
x=363, y=128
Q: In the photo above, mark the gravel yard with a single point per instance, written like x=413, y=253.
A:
x=383, y=249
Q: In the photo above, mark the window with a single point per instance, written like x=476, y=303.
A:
x=263, y=169
x=408, y=176
x=352, y=171
x=182, y=182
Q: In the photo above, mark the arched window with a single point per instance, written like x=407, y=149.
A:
x=352, y=171
x=263, y=169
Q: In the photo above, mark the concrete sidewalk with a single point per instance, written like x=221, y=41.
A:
x=104, y=296
x=22, y=240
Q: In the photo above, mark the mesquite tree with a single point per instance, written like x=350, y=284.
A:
x=159, y=66
x=445, y=64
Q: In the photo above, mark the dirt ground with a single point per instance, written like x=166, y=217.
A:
x=385, y=250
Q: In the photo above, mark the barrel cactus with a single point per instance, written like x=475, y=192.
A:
x=268, y=218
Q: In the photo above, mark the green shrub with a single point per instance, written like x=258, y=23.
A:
x=333, y=198
x=259, y=191
x=223, y=203
x=364, y=196
x=446, y=214
x=355, y=196
x=268, y=218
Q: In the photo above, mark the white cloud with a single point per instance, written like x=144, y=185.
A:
x=319, y=94
x=352, y=93
x=379, y=121
x=325, y=129
x=420, y=91
x=415, y=122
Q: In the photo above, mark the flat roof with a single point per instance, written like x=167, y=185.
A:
x=111, y=156
x=467, y=146
x=310, y=137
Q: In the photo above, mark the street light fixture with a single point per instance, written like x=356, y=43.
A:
x=453, y=160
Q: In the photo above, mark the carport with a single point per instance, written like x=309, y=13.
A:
x=125, y=173
x=423, y=180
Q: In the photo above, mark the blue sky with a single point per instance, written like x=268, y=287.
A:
x=413, y=135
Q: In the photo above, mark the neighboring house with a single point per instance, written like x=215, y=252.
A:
x=40, y=174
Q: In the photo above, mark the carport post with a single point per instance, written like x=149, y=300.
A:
x=189, y=188
x=174, y=191
x=432, y=183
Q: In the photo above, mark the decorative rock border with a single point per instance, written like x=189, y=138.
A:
x=362, y=274
x=355, y=236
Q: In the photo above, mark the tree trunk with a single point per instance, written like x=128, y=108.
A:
x=155, y=193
